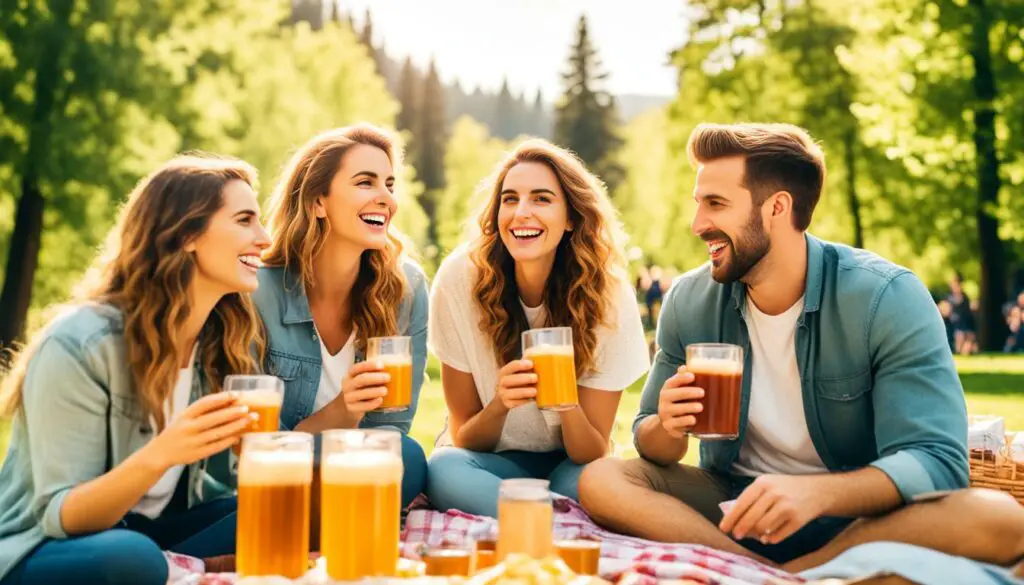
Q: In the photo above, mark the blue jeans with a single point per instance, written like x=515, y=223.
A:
x=414, y=476
x=131, y=552
x=467, y=480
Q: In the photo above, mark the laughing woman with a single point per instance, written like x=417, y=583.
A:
x=335, y=277
x=548, y=255
x=107, y=463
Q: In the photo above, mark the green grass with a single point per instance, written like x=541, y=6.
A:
x=993, y=384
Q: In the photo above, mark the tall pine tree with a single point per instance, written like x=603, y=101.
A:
x=586, y=118
x=431, y=139
x=409, y=101
x=504, y=112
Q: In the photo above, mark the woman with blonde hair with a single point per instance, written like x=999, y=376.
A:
x=549, y=254
x=335, y=277
x=117, y=404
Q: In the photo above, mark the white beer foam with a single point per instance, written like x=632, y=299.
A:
x=259, y=398
x=392, y=360
x=361, y=467
x=275, y=468
x=548, y=349
x=714, y=366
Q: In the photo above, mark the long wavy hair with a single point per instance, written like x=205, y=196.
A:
x=145, y=272
x=588, y=261
x=298, y=235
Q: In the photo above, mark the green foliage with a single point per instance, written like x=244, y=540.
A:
x=586, y=120
x=138, y=84
x=469, y=158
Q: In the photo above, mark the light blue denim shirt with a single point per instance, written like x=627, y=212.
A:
x=80, y=418
x=877, y=376
x=294, y=346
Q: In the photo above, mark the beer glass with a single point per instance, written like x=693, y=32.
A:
x=450, y=558
x=550, y=350
x=360, y=503
x=275, y=473
x=263, y=395
x=718, y=369
x=396, y=355
x=525, y=518
x=580, y=554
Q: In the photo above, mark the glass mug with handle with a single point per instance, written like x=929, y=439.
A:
x=263, y=395
x=550, y=350
x=395, y=354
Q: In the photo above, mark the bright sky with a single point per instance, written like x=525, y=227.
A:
x=479, y=41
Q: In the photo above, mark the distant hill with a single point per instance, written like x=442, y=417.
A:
x=632, y=105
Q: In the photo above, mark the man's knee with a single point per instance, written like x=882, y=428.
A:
x=999, y=516
x=127, y=557
x=600, y=482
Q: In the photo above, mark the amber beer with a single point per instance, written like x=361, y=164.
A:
x=275, y=473
x=718, y=369
x=360, y=503
x=525, y=518
x=582, y=556
x=395, y=353
x=447, y=562
x=551, y=352
x=263, y=395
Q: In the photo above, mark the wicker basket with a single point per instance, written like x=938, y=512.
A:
x=997, y=470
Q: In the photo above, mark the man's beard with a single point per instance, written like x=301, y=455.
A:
x=753, y=245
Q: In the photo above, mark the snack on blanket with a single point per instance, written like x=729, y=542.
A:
x=519, y=569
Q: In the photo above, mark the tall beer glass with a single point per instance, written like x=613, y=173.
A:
x=718, y=369
x=360, y=503
x=275, y=473
x=263, y=395
x=525, y=518
x=551, y=352
x=396, y=355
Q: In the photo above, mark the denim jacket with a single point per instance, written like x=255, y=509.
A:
x=877, y=376
x=294, y=346
x=80, y=417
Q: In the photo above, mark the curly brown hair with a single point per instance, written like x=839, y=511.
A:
x=145, y=272
x=588, y=261
x=298, y=234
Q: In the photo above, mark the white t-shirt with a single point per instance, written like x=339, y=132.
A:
x=333, y=371
x=777, y=439
x=456, y=339
x=156, y=499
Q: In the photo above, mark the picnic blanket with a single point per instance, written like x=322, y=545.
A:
x=645, y=560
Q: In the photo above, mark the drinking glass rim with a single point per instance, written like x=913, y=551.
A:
x=715, y=345
x=369, y=339
x=278, y=437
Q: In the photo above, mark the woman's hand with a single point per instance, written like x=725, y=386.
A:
x=208, y=426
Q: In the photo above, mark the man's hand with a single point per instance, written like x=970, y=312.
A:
x=774, y=507
x=679, y=403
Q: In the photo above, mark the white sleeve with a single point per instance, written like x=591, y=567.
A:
x=444, y=337
x=622, y=353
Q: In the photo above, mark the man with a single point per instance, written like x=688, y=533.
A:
x=851, y=406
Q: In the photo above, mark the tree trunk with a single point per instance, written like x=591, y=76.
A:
x=992, y=326
x=23, y=256
x=850, y=158
x=22, y=260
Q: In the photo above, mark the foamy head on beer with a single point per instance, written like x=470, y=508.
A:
x=362, y=468
x=275, y=468
x=714, y=366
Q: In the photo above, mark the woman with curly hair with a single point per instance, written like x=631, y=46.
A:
x=116, y=402
x=548, y=254
x=335, y=277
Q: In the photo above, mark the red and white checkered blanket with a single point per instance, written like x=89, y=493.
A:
x=646, y=561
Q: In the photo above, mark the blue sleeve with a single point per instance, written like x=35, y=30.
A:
x=920, y=412
x=65, y=411
x=417, y=329
x=670, y=355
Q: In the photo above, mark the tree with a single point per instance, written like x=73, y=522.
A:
x=432, y=141
x=504, y=112
x=409, y=94
x=586, y=117
x=469, y=158
x=540, y=125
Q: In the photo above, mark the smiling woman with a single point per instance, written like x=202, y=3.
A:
x=335, y=278
x=549, y=254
